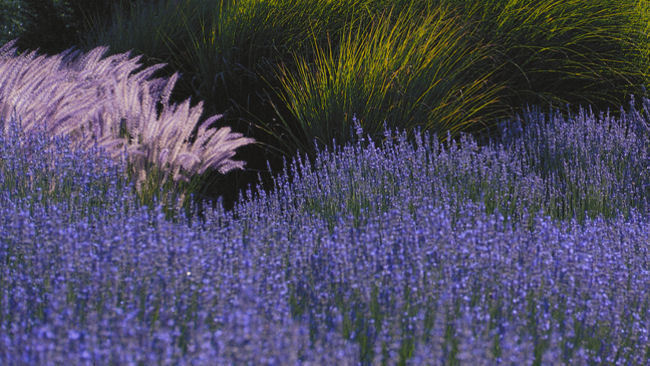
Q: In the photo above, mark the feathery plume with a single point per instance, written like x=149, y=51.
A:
x=98, y=102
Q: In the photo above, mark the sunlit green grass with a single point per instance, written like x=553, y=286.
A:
x=409, y=72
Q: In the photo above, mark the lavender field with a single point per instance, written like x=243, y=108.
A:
x=533, y=250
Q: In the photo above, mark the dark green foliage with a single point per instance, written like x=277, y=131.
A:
x=53, y=26
x=47, y=25
x=10, y=22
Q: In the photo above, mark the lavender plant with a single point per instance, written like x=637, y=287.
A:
x=596, y=165
x=272, y=291
x=38, y=169
x=574, y=168
x=529, y=250
x=97, y=102
x=428, y=276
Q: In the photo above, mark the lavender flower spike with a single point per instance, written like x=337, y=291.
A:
x=98, y=102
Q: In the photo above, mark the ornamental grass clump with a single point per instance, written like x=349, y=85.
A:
x=565, y=53
x=410, y=70
x=98, y=103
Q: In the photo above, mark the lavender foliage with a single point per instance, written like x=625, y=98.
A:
x=425, y=255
